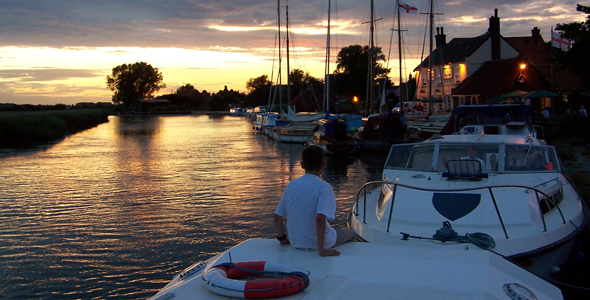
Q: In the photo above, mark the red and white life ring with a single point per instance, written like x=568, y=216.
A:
x=223, y=279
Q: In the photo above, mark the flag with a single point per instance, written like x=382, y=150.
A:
x=409, y=9
x=558, y=41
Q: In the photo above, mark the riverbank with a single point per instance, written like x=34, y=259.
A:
x=575, y=159
x=29, y=129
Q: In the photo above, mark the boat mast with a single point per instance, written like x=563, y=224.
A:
x=371, y=76
x=399, y=47
x=288, y=69
x=326, y=104
x=430, y=61
x=280, y=57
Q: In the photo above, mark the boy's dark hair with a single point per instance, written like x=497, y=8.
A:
x=313, y=158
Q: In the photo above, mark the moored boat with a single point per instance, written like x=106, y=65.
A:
x=293, y=133
x=262, y=121
x=497, y=186
x=379, y=132
x=331, y=135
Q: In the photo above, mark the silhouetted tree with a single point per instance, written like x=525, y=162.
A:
x=352, y=69
x=134, y=81
x=221, y=100
x=577, y=57
x=258, y=91
x=302, y=81
x=194, y=99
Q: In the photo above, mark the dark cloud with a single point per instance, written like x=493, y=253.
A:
x=185, y=23
x=49, y=74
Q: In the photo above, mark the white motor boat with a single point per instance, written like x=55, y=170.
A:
x=510, y=197
x=362, y=271
x=300, y=133
x=262, y=121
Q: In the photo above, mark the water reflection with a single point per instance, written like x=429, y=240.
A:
x=116, y=210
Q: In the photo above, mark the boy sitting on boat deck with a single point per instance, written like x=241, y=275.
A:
x=307, y=204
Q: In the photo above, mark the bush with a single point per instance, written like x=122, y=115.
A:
x=574, y=126
x=29, y=129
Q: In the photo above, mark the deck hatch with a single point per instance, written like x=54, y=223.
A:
x=454, y=206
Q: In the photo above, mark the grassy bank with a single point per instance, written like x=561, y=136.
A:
x=26, y=129
x=574, y=154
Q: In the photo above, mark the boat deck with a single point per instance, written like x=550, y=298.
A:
x=376, y=271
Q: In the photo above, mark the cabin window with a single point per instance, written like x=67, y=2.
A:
x=421, y=157
x=399, y=156
x=486, y=154
x=548, y=205
x=521, y=158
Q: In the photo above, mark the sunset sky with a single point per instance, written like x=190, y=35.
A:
x=60, y=51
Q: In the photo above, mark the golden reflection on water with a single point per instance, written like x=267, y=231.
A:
x=116, y=210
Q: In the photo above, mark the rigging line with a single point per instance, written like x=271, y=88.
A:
x=270, y=96
x=392, y=30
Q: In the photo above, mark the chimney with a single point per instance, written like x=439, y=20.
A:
x=441, y=38
x=536, y=33
x=494, y=31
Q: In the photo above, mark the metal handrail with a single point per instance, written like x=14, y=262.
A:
x=363, y=190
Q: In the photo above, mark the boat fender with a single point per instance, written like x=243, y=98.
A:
x=224, y=279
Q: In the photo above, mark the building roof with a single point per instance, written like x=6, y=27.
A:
x=498, y=77
x=539, y=53
x=454, y=51
x=533, y=48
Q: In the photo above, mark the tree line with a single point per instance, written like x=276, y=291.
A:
x=140, y=80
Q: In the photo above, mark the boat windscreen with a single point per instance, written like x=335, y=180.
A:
x=412, y=156
x=486, y=154
x=493, y=157
x=398, y=156
x=530, y=158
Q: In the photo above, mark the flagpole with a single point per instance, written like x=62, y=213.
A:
x=552, y=59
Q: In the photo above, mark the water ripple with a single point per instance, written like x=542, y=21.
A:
x=117, y=210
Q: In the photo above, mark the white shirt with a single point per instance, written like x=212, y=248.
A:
x=483, y=164
x=302, y=200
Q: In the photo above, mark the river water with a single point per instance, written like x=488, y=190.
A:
x=117, y=210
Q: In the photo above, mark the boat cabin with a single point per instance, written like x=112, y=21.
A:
x=442, y=156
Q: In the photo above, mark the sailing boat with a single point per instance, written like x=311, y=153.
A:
x=300, y=127
x=436, y=121
x=266, y=122
x=380, y=131
x=331, y=134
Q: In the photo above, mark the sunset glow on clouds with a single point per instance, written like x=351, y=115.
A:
x=61, y=51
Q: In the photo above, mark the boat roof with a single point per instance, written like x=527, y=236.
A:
x=485, y=138
x=378, y=271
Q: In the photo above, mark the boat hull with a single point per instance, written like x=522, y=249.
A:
x=293, y=134
x=544, y=253
x=337, y=148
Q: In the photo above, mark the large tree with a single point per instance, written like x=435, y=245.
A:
x=258, y=91
x=352, y=69
x=577, y=58
x=303, y=80
x=130, y=82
